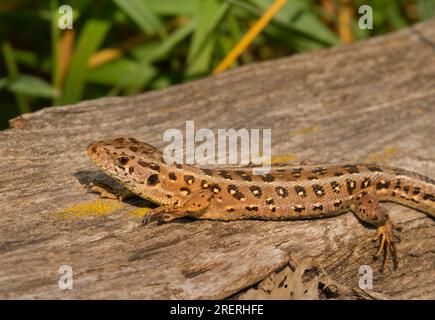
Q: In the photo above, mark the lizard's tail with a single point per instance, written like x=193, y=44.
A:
x=412, y=190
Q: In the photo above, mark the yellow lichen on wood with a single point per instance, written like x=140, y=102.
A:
x=138, y=212
x=284, y=158
x=95, y=208
x=306, y=130
x=277, y=159
x=387, y=153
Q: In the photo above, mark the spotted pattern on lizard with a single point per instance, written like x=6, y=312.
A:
x=286, y=192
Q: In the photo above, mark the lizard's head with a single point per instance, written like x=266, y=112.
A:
x=130, y=162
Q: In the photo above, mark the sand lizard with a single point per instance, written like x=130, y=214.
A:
x=287, y=192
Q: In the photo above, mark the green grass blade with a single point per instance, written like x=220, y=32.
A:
x=89, y=41
x=136, y=80
x=162, y=50
x=32, y=86
x=236, y=32
x=426, y=9
x=55, y=35
x=12, y=68
x=160, y=82
x=202, y=64
x=142, y=15
x=296, y=14
x=26, y=58
x=9, y=56
x=209, y=13
x=113, y=73
x=3, y=83
x=173, y=7
x=394, y=15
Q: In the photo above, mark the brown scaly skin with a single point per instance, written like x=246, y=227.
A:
x=287, y=192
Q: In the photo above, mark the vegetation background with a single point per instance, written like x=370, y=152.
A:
x=123, y=47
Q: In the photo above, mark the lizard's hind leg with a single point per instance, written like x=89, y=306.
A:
x=366, y=206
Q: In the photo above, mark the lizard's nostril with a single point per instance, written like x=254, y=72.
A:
x=92, y=148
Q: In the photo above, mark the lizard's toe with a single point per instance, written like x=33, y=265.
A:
x=149, y=217
x=153, y=215
x=387, y=244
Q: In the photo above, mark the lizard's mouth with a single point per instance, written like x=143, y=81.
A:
x=98, y=155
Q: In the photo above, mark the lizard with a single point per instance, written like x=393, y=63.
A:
x=288, y=191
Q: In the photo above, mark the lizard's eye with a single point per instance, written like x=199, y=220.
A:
x=153, y=179
x=122, y=161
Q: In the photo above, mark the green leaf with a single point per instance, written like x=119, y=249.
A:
x=26, y=58
x=3, y=82
x=89, y=41
x=10, y=60
x=12, y=69
x=161, y=82
x=136, y=80
x=139, y=80
x=55, y=41
x=202, y=63
x=157, y=51
x=426, y=9
x=173, y=7
x=235, y=29
x=118, y=71
x=225, y=44
x=296, y=14
x=145, y=50
x=142, y=15
x=209, y=13
x=123, y=74
x=32, y=86
x=395, y=16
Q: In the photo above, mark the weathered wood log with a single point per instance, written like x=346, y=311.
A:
x=370, y=101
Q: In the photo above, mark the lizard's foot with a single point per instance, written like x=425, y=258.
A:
x=387, y=243
x=108, y=192
x=161, y=214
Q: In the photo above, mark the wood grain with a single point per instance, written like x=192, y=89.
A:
x=374, y=100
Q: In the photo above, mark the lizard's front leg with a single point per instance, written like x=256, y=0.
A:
x=366, y=206
x=192, y=205
x=105, y=191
